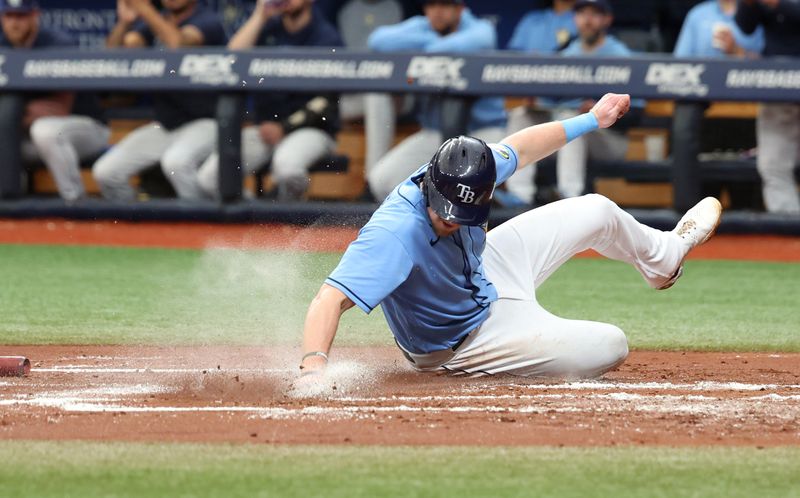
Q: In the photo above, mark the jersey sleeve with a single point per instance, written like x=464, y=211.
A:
x=505, y=158
x=373, y=266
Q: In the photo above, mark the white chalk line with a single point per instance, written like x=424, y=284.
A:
x=107, y=370
x=774, y=406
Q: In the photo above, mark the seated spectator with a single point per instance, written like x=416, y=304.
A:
x=593, y=19
x=295, y=130
x=184, y=132
x=545, y=31
x=447, y=26
x=710, y=31
x=64, y=127
x=542, y=32
x=778, y=124
x=356, y=20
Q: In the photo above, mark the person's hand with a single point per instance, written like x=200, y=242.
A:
x=772, y=4
x=726, y=42
x=610, y=108
x=271, y=132
x=125, y=12
x=268, y=8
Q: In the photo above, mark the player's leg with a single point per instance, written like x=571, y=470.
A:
x=522, y=338
x=139, y=150
x=778, y=132
x=62, y=142
x=255, y=153
x=402, y=160
x=379, y=127
x=297, y=152
x=521, y=253
x=607, y=145
x=191, y=144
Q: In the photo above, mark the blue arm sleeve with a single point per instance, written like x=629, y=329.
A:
x=476, y=35
x=505, y=158
x=411, y=34
x=373, y=266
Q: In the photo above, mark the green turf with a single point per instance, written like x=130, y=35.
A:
x=68, y=469
x=78, y=295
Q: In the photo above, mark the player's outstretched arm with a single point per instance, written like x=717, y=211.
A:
x=322, y=322
x=537, y=142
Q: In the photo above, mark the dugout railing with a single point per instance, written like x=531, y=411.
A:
x=456, y=78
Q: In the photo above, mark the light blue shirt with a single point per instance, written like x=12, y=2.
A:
x=611, y=47
x=697, y=33
x=432, y=290
x=543, y=31
x=472, y=35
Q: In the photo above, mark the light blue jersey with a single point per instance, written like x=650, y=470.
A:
x=472, y=35
x=432, y=290
x=697, y=33
x=543, y=31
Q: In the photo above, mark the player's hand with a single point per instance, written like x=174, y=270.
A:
x=772, y=4
x=125, y=12
x=271, y=132
x=610, y=108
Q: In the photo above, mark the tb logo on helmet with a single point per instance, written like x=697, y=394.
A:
x=465, y=193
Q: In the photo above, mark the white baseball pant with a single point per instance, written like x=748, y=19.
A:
x=61, y=143
x=778, y=132
x=520, y=337
x=180, y=151
x=291, y=157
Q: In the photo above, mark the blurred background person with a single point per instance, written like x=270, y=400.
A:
x=539, y=32
x=447, y=27
x=593, y=18
x=778, y=124
x=711, y=31
x=294, y=130
x=64, y=128
x=184, y=132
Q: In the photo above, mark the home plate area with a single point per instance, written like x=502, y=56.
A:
x=370, y=396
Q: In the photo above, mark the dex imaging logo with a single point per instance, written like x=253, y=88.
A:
x=465, y=193
x=436, y=71
x=677, y=78
x=215, y=70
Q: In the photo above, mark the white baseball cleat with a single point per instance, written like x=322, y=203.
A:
x=694, y=228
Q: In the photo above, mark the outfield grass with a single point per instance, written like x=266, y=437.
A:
x=79, y=469
x=90, y=295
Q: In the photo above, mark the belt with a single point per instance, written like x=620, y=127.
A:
x=434, y=359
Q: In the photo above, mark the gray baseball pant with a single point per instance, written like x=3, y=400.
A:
x=180, y=151
x=62, y=142
x=778, y=134
x=291, y=158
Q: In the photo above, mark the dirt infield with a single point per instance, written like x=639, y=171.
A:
x=244, y=394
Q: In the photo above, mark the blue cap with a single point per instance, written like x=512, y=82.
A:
x=21, y=6
x=601, y=5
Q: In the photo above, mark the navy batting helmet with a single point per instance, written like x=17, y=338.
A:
x=460, y=179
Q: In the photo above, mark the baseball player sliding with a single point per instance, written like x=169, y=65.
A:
x=464, y=300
